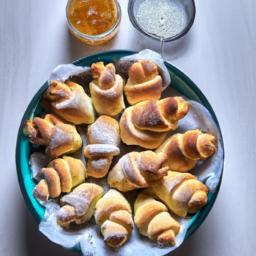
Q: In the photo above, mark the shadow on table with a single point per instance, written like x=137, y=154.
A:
x=201, y=240
x=77, y=49
x=190, y=247
x=172, y=50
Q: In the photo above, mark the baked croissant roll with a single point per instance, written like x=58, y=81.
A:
x=61, y=175
x=113, y=215
x=154, y=221
x=58, y=137
x=144, y=82
x=181, y=192
x=146, y=124
x=106, y=89
x=184, y=150
x=79, y=205
x=103, y=138
x=137, y=170
x=69, y=101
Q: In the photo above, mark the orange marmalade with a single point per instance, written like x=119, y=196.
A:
x=92, y=17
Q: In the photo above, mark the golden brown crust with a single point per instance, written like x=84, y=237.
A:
x=137, y=170
x=53, y=180
x=142, y=70
x=197, y=200
x=206, y=145
x=69, y=101
x=163, y=228
x=64, y=140
x=78, y=206
x=181, y=192
x=153, y=220
x=131, y=135
x=113, y=214
x=53, y=119
x=58, y=137
x=106, y=89
x=63, y=170
x=144, y=82
x=176, y=159
x=174, y=108
x=143, y=215
x=111, y=202
x=39, y=130
x=77, y=170
x=146, y=124
x=122, y=217
x=61, y=175
x=105, y=75
x=149, y=163
x=147, y=116
x=189, y=142
x=184, y=150
x=159, y=116
x=118, y=234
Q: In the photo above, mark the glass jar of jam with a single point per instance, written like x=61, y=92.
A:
x=93, y=21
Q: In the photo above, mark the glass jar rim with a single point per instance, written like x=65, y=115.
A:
x=99, y=36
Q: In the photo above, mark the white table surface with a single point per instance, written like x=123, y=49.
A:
x=218, y=54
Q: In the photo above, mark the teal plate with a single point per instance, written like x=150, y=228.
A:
x=180, y=82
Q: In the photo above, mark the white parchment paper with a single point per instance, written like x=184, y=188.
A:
x=64, y=71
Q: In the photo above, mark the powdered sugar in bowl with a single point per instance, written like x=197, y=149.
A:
x=164, y=20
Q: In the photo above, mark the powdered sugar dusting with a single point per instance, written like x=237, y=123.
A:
x=73, y=101
x=164, y=18
x=60, y=137
x=64, y=213
x=118, y=232
x=101, y=150
x=79, y=200
x=182, y=195
x=171, y=184
x=104, y=133
x=99, y=164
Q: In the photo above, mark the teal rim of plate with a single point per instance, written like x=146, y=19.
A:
x=180, y=82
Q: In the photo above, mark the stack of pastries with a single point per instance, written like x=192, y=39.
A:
x=119, y=112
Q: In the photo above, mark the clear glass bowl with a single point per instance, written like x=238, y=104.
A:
x=96, y=39
x=190, y=12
